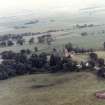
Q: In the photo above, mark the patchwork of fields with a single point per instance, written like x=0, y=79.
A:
x=94, y=39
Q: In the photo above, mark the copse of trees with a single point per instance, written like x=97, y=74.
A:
x=82, y=50
x=20, y=63
x=26, y=62
x=8, y=55
x=70, y=47
x=45, y=39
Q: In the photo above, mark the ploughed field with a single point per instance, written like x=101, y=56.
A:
x=52, y=89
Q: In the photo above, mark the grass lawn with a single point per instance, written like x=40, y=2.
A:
x=52, y=89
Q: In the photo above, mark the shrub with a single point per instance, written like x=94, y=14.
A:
x=34, y=60
x=36, y=49
x=52, y=60
x=8, y=62
x=8, y=55
x=100, y=62
x=31, y=41
x=3, y=73
x=93, y=56
x=10, y=43
x=10, y=71
x=69, y=47
x=42, y=59
x=32, y=71
x=28, y=51
x=21, y=58
x=84, y=34
x=20, y=69
x=101, y=72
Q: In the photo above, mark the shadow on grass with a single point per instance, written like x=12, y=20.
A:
x=42, y=86
x=54, y=83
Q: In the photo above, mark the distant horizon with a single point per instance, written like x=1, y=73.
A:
x=46, y=7
x=14, y=13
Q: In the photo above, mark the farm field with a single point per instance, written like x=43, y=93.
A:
x=94, y=39
x=84, y=57
x=52, y=89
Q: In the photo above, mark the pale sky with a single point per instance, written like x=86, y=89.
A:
x=12, y=7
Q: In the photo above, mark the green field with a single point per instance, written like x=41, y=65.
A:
x=52, y=89
x=84, y=57
x=94, y=39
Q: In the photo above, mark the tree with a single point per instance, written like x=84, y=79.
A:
x=21, y=58
x=104, y=45
x=93, y=56
x=8, y=55
x=3, y=73
x=20, y=41
x=41, y=39
x=36, y=49
x=10, y=43
x=69, y=47
x=52, y=60
x=23, y=52
x=42, y=59
x=10, y=70
x=3, y=44
x=34, y=60
x=21, y=69
x=31, y=41
x=28, y=51
x=101, y=72
x=84, y=34
x=100, y=62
